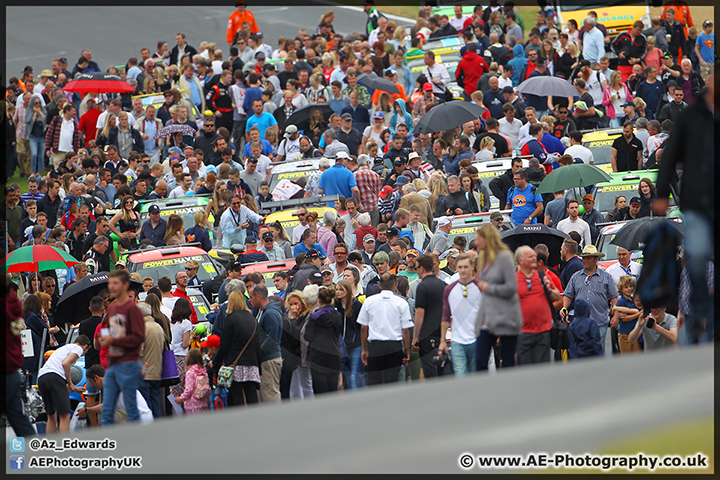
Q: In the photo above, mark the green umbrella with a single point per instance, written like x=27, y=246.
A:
x=38, y=258
x=572, y=176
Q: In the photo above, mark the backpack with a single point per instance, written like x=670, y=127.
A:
x=202, y=388
x=659, y=280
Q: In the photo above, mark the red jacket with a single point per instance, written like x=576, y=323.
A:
x=471, y=67
x=181, y=293
x=362, y=231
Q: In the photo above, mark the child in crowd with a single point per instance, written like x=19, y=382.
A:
x=628, y=311
x=197, y=385
x=264, y=194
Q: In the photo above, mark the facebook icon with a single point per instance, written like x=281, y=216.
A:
x=17, y=462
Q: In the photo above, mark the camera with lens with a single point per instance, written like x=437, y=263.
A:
x=650, y=322
x=439, y=360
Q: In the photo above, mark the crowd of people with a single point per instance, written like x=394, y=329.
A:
x=379, y=292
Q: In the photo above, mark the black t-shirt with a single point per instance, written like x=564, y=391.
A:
x=667, y=76
x=87, y=328
x=351, y=139
x=89, y=243
x=430, y=297
x=627, y=153
x=587, y=123
x=501, y=145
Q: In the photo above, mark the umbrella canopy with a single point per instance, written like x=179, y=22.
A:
x=377, y=83
x=448, y=115
x=302, y=115
x=571, y=176
x=38, y=258
x=174, y=128
x=74, y=302
x=98, y=83
x=635, y=233
x=533, y=234
x=547, y=86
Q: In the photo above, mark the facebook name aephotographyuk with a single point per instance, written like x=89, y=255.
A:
x=17, y=462
x=585, y=461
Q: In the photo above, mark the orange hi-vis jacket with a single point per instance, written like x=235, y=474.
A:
x=235, y=22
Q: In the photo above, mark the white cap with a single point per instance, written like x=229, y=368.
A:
x=443, y=221
x=342, y=154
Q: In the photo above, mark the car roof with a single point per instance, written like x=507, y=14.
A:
x=631, y=177
x=270, y=266
x=285, y=216
x=169, y=203
x=166, y=253
x=497, y=164
x=306, y=165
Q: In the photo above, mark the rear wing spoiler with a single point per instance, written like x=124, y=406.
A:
x=151, y=247
x=268, y=207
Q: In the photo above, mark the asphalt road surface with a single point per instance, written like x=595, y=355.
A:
x=114, y=34
x=425, y=428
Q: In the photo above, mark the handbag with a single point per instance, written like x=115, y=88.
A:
x=170, y=375
x=225, y=373
x=559, y=336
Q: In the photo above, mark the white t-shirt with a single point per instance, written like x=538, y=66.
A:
x=458, y=23
x=264, y=164
x=67, y=129
x=179, y=329
x=169, y=303
x=504, y=82
x=510, y=130
x=289, y=148
x=580, y=226
x=54, y=363
x=594, y=87
x=297, y=233
x=581, y=152
x=464, y=310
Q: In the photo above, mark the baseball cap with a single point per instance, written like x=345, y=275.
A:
x=443, y=221
x=290, y=130
x=667, y=55
x=707, y=22
x=413, y=252
x=379, y=114
x=312, y=253
x=588, y=197
x=628, y=103
x=389, y=72
x=427, y=86
x=392, y=232
x=316, y=278
x=28, y=68
x=540, y=61
x=267, y=236
x=401, y=180
x=507, y=89
x=342, y=154
x=385, y=192
x=250, y=240
x=176, y=150
x=252, y=160
x=236, y=265
x=584, y=63
x=259, y=34
x=346, y=116
x=259, y=56
x=398, y=161
x=452, y=253
x=120, y=263
x=496, y=216
x=154, y=209
x=671, y=83
x=368, y=238
x=635, y=200
x=213, y=341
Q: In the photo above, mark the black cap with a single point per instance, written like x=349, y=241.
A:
x=236, y=265
x=250, y=239
x=267, y=236
x=635, y=200
x=540, y=61
x=252, y=160
x=584, y=63
x=316, y=278
x=312, y=253
x=154, y=209
x=393, y=232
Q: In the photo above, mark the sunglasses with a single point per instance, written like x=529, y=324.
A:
x=50, y=286
x=301, y=214
x=235, y=203
x=188, y=269
x=528, y=281
x=327, y=274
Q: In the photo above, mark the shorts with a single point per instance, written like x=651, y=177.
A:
x=54, y=393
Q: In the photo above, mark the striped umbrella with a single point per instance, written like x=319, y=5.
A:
x=38, y=258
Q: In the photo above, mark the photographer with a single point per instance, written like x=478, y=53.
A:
x=659, y=329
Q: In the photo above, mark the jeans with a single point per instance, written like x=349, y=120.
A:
x=615, y=123
x=353, y=370
x=121, y=378
x=698, y=251
x=150, y=390
x=463, y=358
x=484, y=345
x=37, y=147
x=301, y=384
x=603, y=334
x=14, y=406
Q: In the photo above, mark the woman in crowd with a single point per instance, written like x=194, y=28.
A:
x=199, y=232
x=328, y=65
x=298, y=309
x=486, y=149
x=240, y=348
x=250, y=203
x=472, y=196
x=325, y=235
x=350, y=346
x=281, y=239
x=35, y=116
x=127, y=220
x=272, y=138
x=499, y=315
x=551, y=56
x=646, y=192
x=299, y=100
x=174, y=230
x=317, y=125
x=32, y=313
x=620, y=202
x=317, y=93
x=374, y=131
x=641, y=109
x=160, y=318
x=352, y=275
x=104, y=133
x=383, y=106
x=322, y=334
x=572, y=30
x=568, y=60
x=216, y=206
x=312, y=220
x=399, y=40
x=438, y=190
x=181, y=331
x=614, y=95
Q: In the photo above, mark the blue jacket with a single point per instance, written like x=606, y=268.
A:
x=517, y=63
x=408, y=78
x=552, y=144
x=452, y=167
x=584, y=332
x=251, y=94
x=408, y=117
x=202, y=235
x=271, y=323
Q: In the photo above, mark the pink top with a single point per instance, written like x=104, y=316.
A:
x=327, y=240
x=190, y=402
x=653, y=57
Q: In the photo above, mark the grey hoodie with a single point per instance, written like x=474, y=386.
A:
x=29, y=113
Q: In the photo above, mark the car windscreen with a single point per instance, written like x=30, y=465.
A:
x=609, y=249
x=168, y=267
x=292, y=176
x=600, y=150
x=199, y=302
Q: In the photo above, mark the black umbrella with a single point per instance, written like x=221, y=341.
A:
x=448, y=115
x=75, y=300
x=533, y=234
x=377, y=83
x=301, y=116
x=635, y=233
x=547, y=86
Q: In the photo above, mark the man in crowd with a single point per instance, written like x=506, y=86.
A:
x=428, y=316
x=270, y=320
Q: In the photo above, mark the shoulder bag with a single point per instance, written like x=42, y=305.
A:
x=225, y=374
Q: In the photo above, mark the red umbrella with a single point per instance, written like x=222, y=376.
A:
x=98, y=83
x=38, y=258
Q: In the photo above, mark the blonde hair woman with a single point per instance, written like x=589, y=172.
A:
x=328, y=65
x=199, y=232
x=128, y=221
x=317, y=91
x=102, y=135
x=438, y=189
x=298, y=310
x=486, y=149
x=174, y=233
x=499, y=314
x=614, y=95
x=420, y=184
